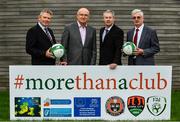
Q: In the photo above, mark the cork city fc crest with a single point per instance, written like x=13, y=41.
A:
x=115, y=106
x=135, y=104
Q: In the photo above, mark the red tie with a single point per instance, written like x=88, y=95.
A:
x=135, y=37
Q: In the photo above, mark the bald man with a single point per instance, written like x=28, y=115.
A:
x=79, y=40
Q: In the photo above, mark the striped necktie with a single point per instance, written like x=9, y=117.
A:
x=49, y=35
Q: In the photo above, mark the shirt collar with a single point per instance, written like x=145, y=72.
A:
x=109, y=27
x=140, y=28
x=43, y=27
x=80, y=26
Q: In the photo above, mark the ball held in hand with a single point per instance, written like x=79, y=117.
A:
x=129, y=48
x=57, y=50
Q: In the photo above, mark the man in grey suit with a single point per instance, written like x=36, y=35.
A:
x=145, y=39
x=79, y=41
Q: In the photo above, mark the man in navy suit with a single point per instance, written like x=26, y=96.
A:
x=39, y=39
x=111, y=41
x=79, y=41
x=145, y=39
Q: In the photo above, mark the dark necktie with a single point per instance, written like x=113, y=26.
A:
x=106, y=31
x=49, y=35
x=136, y=37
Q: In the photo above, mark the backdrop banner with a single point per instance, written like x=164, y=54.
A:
x=90, y=92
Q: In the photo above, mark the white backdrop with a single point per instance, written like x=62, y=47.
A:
x=90, y=92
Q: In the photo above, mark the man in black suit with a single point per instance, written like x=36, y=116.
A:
x=111, y=41
x=144, y=38
x=39, y=39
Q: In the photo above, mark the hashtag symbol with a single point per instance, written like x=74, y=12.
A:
x=19, y=81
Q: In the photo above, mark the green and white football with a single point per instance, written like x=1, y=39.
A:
x=57, y=50
x=129, y=48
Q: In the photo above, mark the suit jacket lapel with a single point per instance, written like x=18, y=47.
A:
x=101, y=33
x=43, y=33
x=131, y=35
x=112, y=28
x=109, y=32
x=88, y=34
x=142, y=36
x=77, y=33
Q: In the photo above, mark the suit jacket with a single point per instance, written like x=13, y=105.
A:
x=110, y=48
x=149, y=43
x=37, y=42
x=76, y=52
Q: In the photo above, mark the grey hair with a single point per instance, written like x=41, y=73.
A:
x=109, y=11
x=46, y=10
x=137, y=11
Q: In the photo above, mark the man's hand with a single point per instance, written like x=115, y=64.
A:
x=63, y=63
x=112, y=66
x=138, y=51
x=49, y=54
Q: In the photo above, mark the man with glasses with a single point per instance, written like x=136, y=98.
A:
x=79, y=40
x=144, y=38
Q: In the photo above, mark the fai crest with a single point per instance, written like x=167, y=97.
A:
x=115, y=106
x=156, y=105
x=135, y=104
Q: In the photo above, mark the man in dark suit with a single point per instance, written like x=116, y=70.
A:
x=39, y=39
x=145, y=39
x=111, y=41
x=79, y=40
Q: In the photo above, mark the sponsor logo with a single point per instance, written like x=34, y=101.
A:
x=156, y=105
x=87, y=106
x=135, y=104
x=115, y=106
x=57, y=112
x=48, y=102
x=27, y=106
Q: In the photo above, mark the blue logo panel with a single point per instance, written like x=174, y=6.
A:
x=57, y=112
x=87, y=106
x=60, y=101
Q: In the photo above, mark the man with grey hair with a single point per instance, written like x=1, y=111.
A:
x=111, y=41
x=144, y=38
x=39, y=39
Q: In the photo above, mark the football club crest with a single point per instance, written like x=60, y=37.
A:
x=135, y=104
x=156, y=105
x=115, y=106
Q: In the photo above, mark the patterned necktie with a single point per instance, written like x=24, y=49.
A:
x=136, y=37
x=49, y=35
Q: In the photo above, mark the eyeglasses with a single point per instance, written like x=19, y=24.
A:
x=138, y=17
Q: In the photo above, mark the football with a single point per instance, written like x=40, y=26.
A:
x=129, y=48
x=57, y=50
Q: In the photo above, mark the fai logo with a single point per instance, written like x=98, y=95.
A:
x=156, y=105
x=115, y=106
x=135, y=104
